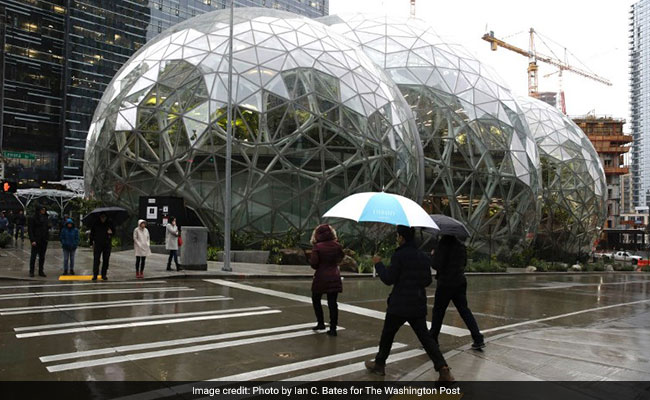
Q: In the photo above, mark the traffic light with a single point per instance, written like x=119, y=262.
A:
x=9, y=187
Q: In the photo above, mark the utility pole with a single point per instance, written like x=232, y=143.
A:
x=3, y=31
x=228, y=199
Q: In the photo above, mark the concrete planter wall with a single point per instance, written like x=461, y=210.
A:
x=247, y=256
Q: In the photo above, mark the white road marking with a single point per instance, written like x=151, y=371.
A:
x=82, y=283
x=143, y=323
x=450, y=330
x=130, y=319
x=534, y=321
x=349, y=369
x=167, y=343
x=182, y=350
x=314, y=362
x=575, y=284
x=62, y=293
x=109, y=304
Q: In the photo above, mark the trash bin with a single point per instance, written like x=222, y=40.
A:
x=194, y=251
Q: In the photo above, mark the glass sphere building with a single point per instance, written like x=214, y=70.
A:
x=481, y=164
x=314, y=120
x=573, y=181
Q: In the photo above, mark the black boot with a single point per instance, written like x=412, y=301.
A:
x=319, y=327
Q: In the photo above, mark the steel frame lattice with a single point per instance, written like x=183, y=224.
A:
x=573, y=182
x=481, y=162
x=315, y=120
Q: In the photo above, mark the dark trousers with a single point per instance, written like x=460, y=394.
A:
x=392, y=323
x=103, y=252
x=331, y=304
x=21, y=229
x=457, y=294
x=139, y=263
x=38, y=250
x=172, y=254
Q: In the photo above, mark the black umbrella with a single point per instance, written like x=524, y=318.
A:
x=117, y=215
x=448, y=226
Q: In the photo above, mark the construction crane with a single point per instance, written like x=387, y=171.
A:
x=534, y=57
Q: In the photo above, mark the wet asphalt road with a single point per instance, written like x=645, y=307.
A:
x=548, y=327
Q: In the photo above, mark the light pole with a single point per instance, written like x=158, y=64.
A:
x=228, y=199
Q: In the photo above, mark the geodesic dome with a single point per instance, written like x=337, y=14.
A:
x=481, y=162
x=573, y=181
x=314, y=120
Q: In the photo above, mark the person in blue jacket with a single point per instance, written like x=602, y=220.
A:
x=69, y=241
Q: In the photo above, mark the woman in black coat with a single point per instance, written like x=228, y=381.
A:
x=326, y=254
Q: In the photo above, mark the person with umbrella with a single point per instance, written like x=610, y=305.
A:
x=101, y=235
x=326, y=254
x=38, y=230
x=409, y=273
x=449, y=261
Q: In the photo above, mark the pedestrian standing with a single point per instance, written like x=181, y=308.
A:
x=449, y=261
x=69, y=237
x=38, y=230
x=20, y=222
x=172, y=233
x=141, y=246
x=409, y=273
x=101, y=235
x=11, y=219
x=326, y=254
x=4, y=222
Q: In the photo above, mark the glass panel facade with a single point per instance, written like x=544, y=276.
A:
x=300, y=141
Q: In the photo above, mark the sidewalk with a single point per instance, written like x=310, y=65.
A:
x=14, y=264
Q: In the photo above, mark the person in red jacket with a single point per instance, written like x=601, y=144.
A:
x=326, y=254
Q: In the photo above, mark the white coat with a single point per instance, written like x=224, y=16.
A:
x=141, y=241
x=171, y=237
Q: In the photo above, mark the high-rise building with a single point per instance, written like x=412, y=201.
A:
x=640, y=100
x=611, y=144
x=58, y=57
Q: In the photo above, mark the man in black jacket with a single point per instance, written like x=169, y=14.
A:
x=20, y=221
x=38, y=230
x=410, y=274
x=101, y=234
x=449, y=260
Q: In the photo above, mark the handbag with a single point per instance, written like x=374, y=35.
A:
x=180, y=240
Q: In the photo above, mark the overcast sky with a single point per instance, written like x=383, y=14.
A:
x=595, y=31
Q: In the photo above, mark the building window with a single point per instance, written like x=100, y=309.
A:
x=159, y=26
x=160, y=4
x=208, y=2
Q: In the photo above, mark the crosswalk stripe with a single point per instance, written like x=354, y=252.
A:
x=314, y=362
x=82, y=284
x=142, y=318
x=182, y=350
x=450, y=330
x=168, y=343
x=348, y=369
x=63, y=293
x=142, y=323
x=108, y=304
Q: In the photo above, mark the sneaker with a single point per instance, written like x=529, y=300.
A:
x=65, y=272
x=41, y=273
x=71, y=272
x=31, y=274
x=168, y=268
x=104, y=277
x=478, y=345
x=94, y=278
x=319, y=327
x=445, y=375
x=375, y=368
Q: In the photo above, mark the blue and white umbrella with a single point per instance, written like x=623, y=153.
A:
x=382, y=207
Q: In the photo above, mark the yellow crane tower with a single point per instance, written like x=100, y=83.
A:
x=533, y=57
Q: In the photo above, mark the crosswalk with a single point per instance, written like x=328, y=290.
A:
x=161, y=328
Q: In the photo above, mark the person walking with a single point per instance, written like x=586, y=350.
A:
x=326, y=254
x=4, y=222
x=11, y=219
x=449, y=261
x=69, y=237
x=20, y=222
x=38, y=231
x=141, y=246
x=101, y=235
x=171, y=243
x=409, y=273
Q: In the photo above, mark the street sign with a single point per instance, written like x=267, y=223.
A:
x=18, y=155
